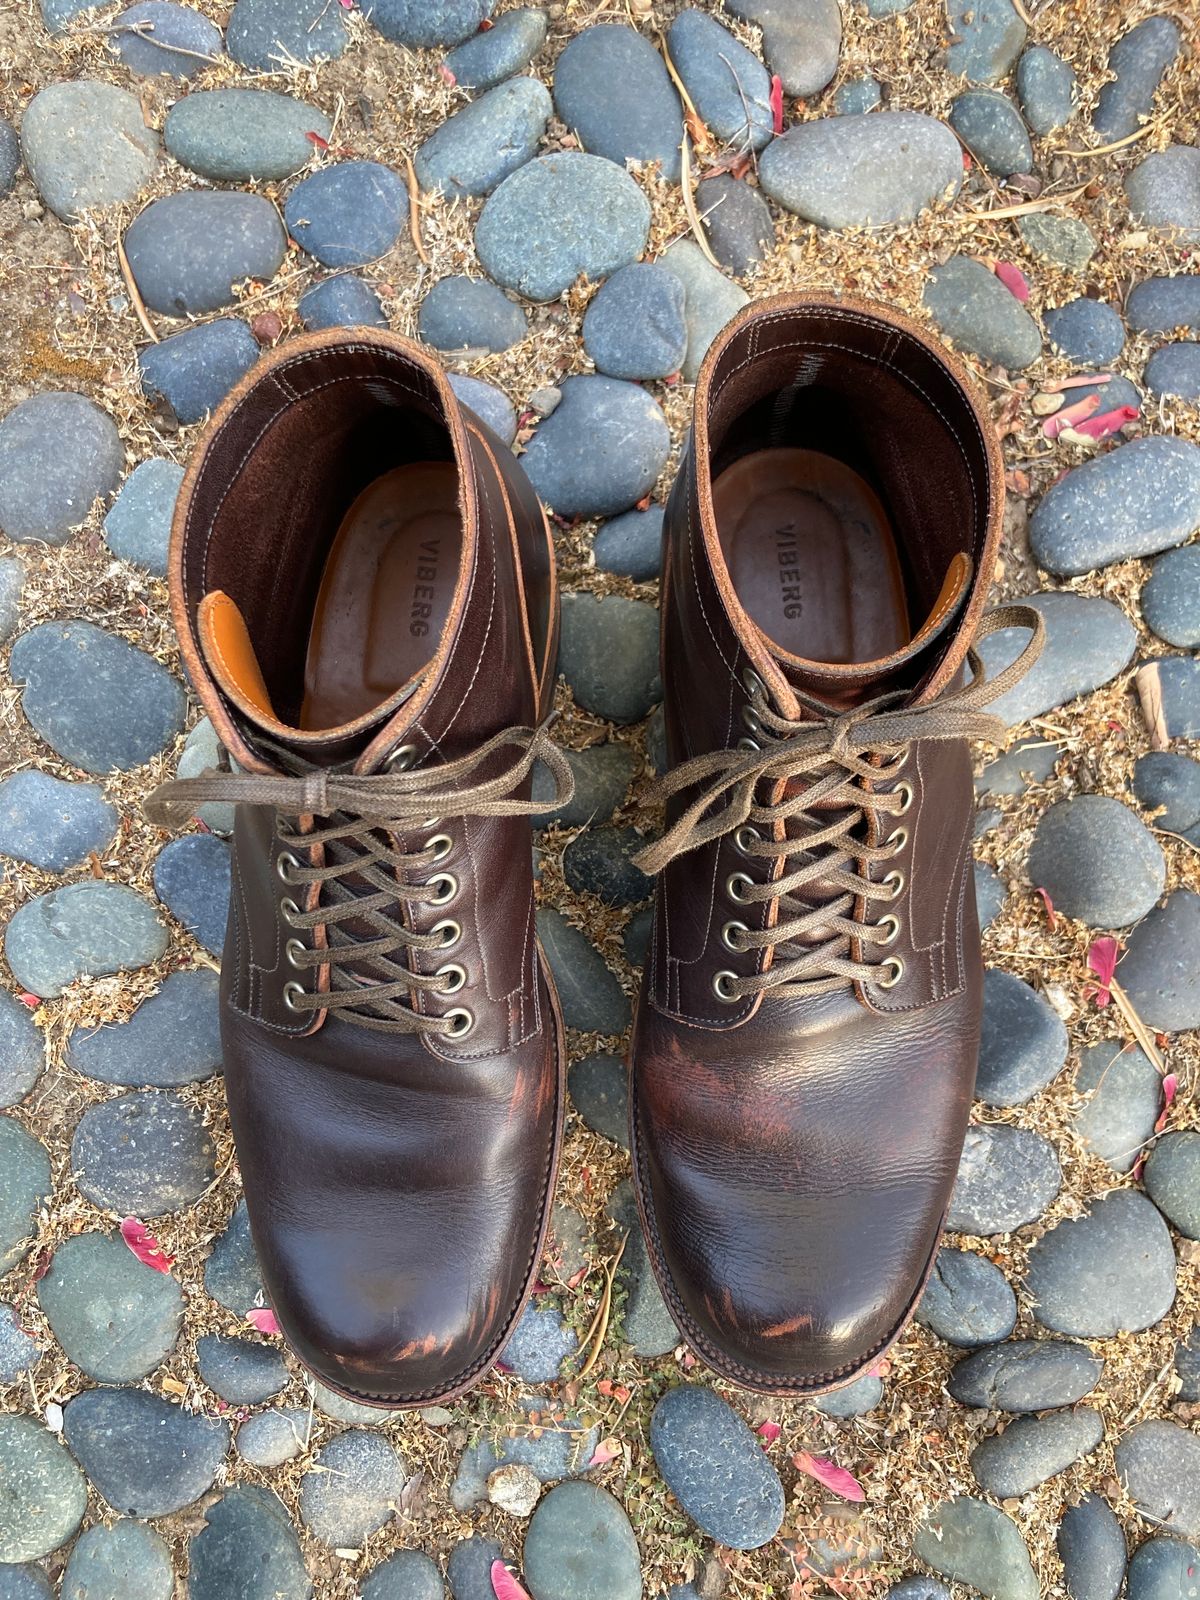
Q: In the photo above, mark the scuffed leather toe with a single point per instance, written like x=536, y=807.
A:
x=793, y=1260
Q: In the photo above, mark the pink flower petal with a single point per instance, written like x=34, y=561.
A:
x=145, y=1246
x=1051, y=914
x=504, y=1585
x=1169, y=1085
x=1102, y=960
x=768, y=1432
x=1070, y=416
x=264, y=1319
x=1107, y=422
x=607, y=1450
x=1081, y=380
x=1013, y=279
x=777, y=103
x=830, y=1475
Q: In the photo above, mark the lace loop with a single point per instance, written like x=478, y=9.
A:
x=356, y=876
x=840, y=758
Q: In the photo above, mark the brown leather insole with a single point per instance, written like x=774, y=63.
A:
x=385, y=593
x=812, y=556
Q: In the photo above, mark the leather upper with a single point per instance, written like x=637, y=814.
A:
x=794, y=1156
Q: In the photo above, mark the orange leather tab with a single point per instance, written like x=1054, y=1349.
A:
x=954, y=588
x=225, y=640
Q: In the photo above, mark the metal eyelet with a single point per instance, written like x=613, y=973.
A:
x=461, y=1022
x=291, y=993
x=751, y=682
x=401, y=758
x=447, y=933
x=745, y=839
x=293, y=948
x=750, y=720
x=748, y=744
x=896, y=967
x=730, y=937
x=441, y=844
x=893, y=926
x=450, y=889
x=736, y=885
x=285, y=864
x=289, y=911
x=453, y=977
x=721, y=983
x=906, y=789
x=896, y=840
x=895, y=881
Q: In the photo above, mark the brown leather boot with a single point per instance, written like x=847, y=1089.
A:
x=363, y=584
x=806, y=1042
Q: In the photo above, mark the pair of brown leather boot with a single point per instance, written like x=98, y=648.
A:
x=364, y=585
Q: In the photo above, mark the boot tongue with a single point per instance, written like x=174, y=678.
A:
x=847, y=685
x=231, y=659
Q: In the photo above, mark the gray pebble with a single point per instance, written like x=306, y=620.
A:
x=710, y=300
x=24, y=1185
x=1163, y=192
x=158, y=36
x=1092, y=1550
x=613, y=91
x=559, y=216
x=194, y=370
x=235, y=135
x=858, y=95
x=918, y=1588
x=469, y=1568
x=138, y=528
x=801, y=40
x=86, y=144
x=1006, y=1178
x=59, y=454
x=51, y=824
x=1087, y=331
x=601, y=449
x=406, y=1575
x=609, y=655
x=265, y=34
x=427, y=23
x=352, y=1489
x=599, y=861
x=977, y=1544
x=599, y=1086
x=852, y=1399
x=1174, y=371
x=1164, y=1569
x=1187, y=1366
x=968, y=1300
x=241, y=1371
x=1097, y=860
x=1023, y=1046
x=192, y=879
x=1160, y=971
x=1047, y=87
x=1173, y=1180
x=247, y=1550
x=171, y=1039
x=1139, y=58
x=990, y=894
x=1064, y=241
x=1029, y=761
x=116, y=1319
x=146, y=1456
x=91, y=927
x=348, y=214
x=507, y=47
x=631, y=544
x=44, y=1493
x=231, y=1273
x=490, y=405
x=1110, y=1271
x=988, y=38
x=1169, y=784
x=1033, y=1449
x=10, y=157
x=1088, y=641
x=1159, y=1464
x=990, y=126
x=477, y=147
x=339, y=1409
x=462, y=313
x=540, y=1343
x=1123, y=1096
x=635, y=326
x=346, y=301
x=1161, y=305
x=844, y=172
x=57, y=13
x=1026, y=1375
x=592, y=998
x=143, y=1154
x=716, y=1468
x=736, y=220
x=649, y=1329
x=728, y=85
x=270, y=1438
x=126, y=1561
x=12, y=582
x=552, y=1451
x=22, y=1051
x=580, y=1546
x=19, y=1354
x=974, y=309
x=602, y=776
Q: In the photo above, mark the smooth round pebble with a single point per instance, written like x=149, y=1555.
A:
x=591, y=996
x=496, y=53
x=1175, y=681
x=269, y=1438
x=348, y=214
x=427, y=23
x=599, y=861
x=1109, y=1271
x=1007, y=1177
x=478, y=146
x=715, y=1467
x=631, y=544
x=138, y=527
x=194, y=370
x=352, y=1489
x=265, y=34
x=580, y=1546
x=1088, y=641
x=19, y=1354
x=1138, y=60
x=469, y=1568
x=59, y=454
x=462, y=313
x=126, y=1561
x=406, y=1575
x=1159, y=1464
x=727, y=83
x=1085, y=330
x=1033, y=1449
x=1026, y=1375
x=987, y=39
x=1122, y=1096
x=972, y=307
x=1092, y=1550
x=602, y=773
x=24, y=1185
x=540, y=1343
x=599, y=1088
x=601, y=449
x=24, y=1583
x=609, y=655
x=346, y=301
x=802, y=40
x=91, y=927
x=490, y=405
x=44, y=1493
x=241, y=1371
x=918, y=1588
x=635, y=326
x=1168, y=784
x=710, y=300
x=990, y=126
x=51, y=824
x=143, y=1154
x=1160, y=971
x=979, y=1545
x=1172, y=1180
x=239, y=135
x=115, y=1318
x=1023, y=1046
x=968, y=1300
x=1097, y=860
x=192, y=879
x=1164, y=1569
x=1164, y=191
x=1164, y=304
x=247, y=1550
x=857, y=95
x=22, y=1051
x=852, y=1399
x=613, y=91
x=1046, y=86
x=231, y=1273
x=171, y=1039
x=87, y=145
x=157, y=36
x=1174, y=371
x=737, y=222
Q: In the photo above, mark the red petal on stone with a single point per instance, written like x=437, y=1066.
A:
x=829, y=1474
x=1013, y=279
x=768, y=1432
x=145, y=1246
x=1051, y=914
x=264, y=1319
x=1102, y=960
x=1107, y=422
x=1169, y=1085
x=1071, y=416
x=504, y=1585
x=777, y=103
